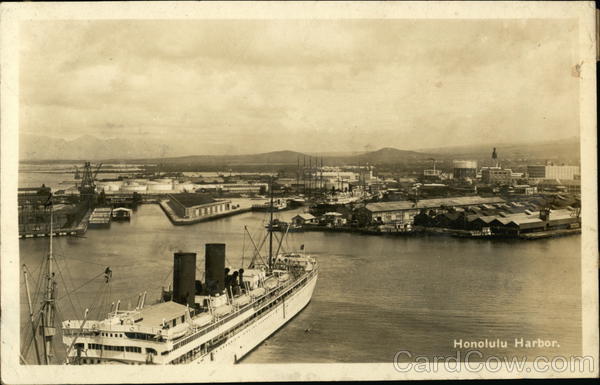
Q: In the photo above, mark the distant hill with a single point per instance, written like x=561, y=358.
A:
x=391, y=155
x=34, y=148
x=275, y=157
x=383, y=156
x=551, y=150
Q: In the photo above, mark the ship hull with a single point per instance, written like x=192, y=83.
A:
x=239, y=345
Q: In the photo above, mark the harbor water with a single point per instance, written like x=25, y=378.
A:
x=376, y=295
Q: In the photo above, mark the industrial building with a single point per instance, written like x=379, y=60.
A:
x=503, y=223
x=191, y=206
x=405, y=211
x=523, y=223
x=463, y=169
x=496, y=176
x=234, y=188
x=524, y=189
x=572, y=186
x=553, y=172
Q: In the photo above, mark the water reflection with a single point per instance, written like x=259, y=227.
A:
x=375, y=295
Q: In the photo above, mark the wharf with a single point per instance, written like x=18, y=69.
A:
x=179, y=221
x=346, y=229
x=78, y=230
x=100, y=218
x=442, y=231
x=549, y=234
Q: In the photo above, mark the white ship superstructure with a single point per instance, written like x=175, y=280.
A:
x=219, y=320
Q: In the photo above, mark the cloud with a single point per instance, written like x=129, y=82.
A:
x=309, y=85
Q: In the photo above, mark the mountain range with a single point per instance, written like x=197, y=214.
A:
x=35, y=149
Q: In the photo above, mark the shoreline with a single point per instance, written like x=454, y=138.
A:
x=443, y=231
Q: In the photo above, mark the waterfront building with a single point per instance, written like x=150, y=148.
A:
x=502, y=222
x=334, y=218
x=191, y=205
x=235, y=188
x=530, y=222
x=405, y=211
x=247, y=188
x=478, y=222
x=553, y=172
x=302, y=219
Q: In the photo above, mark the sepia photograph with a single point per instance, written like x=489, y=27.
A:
x=298, y=191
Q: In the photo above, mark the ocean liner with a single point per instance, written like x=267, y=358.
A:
x=217, y=320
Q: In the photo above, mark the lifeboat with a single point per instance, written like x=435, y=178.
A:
x=242, y=300
x=222, y=310
x=259, y=291
x=283, y=277
x=202, y=319
x=177, y=331
x=271, y=283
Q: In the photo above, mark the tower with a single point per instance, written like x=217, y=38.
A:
x=87, y=188
x=495, y=157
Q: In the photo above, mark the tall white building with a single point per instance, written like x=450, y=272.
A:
x=553, y=172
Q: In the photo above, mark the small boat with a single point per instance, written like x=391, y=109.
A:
x=241, y=300
x=222, y=310
x=202, y=319
x=258, y=292
x=283, y=277
x=275, y=205
x=271, y=283
x=277, y=225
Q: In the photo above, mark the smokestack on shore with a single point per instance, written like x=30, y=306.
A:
x=215, y=267
x=184, y=278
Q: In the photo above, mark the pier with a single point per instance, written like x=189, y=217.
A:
x=78, y=230
x=182, y=221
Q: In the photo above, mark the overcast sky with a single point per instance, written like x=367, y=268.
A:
x=211, y=87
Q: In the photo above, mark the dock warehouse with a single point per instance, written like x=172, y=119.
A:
x=191, y=205
x=405, y=211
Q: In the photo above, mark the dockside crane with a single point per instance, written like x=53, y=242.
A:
x=87, y=188
x=96, y=172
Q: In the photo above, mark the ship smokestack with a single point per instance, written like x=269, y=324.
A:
x=215, y=267
x=184, y=278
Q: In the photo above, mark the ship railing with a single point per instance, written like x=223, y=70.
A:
x=72, y=327
x=260, y=302
x=264, y=300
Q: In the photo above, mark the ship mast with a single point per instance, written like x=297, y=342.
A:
x=48, y=306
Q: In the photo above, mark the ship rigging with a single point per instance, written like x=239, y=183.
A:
x=218, y=319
